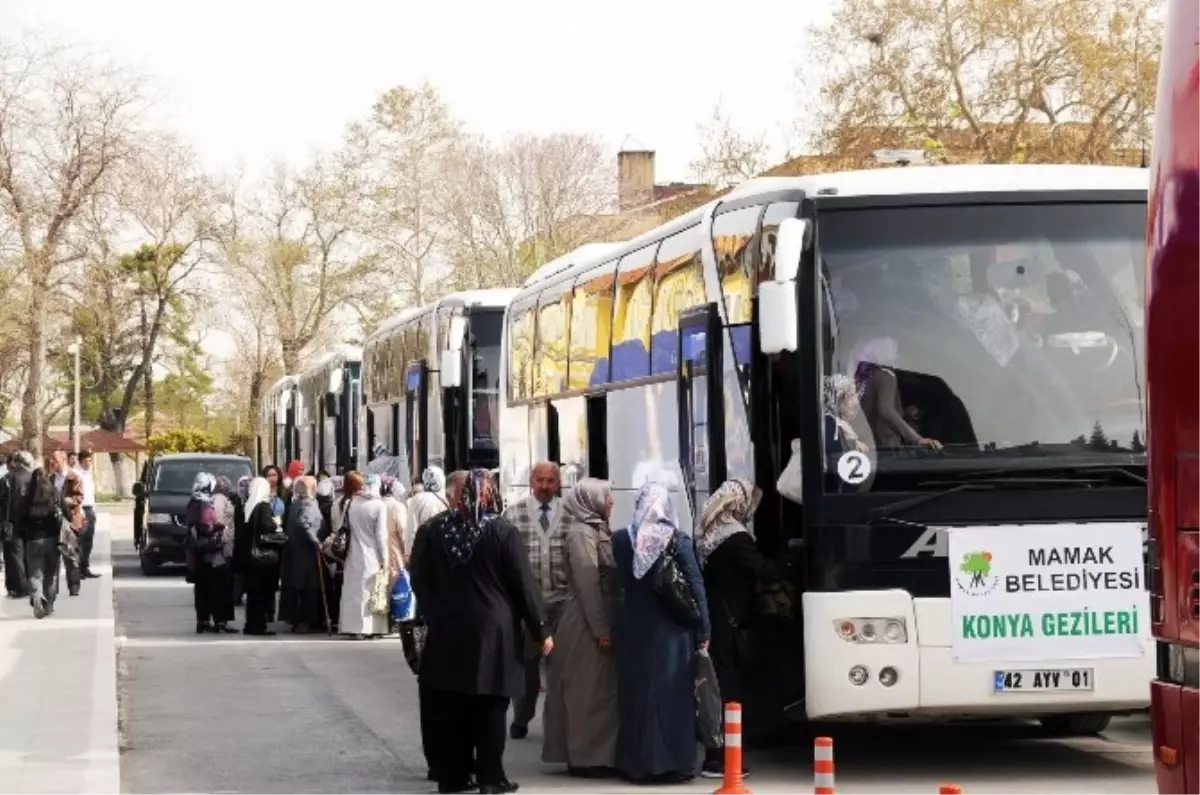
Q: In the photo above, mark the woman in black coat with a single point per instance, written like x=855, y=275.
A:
x=733, y=568
x=472, y=580
x=261, y=581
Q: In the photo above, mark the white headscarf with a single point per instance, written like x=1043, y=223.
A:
x=260, y=492
x=652, y=528
x=434, y=480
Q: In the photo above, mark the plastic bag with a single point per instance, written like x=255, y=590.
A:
x=403, y=600
x=708, y=702
x=791, y=480
x=379, y=602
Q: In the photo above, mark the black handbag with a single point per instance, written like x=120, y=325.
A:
x=412, y=639
x=265, y=552
x=673, y=590
x=337, y=545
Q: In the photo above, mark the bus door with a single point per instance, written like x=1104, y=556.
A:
x=416, y=396
x=701, y=404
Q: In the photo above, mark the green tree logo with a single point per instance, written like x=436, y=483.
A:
x=979, y=566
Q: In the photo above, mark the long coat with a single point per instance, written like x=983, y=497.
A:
x=367, y=556
x=581, y=680
x=731, y=575
x=300, y=571
x=656, y=691
x=474, y=612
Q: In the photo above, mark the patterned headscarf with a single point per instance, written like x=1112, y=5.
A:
x=244, y=487
x=202, y=487
x=724, y=514
x=587, y=502
x=652, y=528
x=461, y=528
x=434, y=480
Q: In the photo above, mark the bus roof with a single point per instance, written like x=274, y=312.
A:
x=953, y=179
x=588, y=252
x=286, y=382
x=917, y=180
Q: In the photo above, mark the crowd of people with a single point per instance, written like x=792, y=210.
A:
x=47, y=525
x=548, y=596
x=545, y=597
x=317, y=553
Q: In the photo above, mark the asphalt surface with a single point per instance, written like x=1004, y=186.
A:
x=315, y=715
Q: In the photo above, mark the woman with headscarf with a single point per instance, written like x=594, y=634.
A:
x=365, y=559
x=427, y=504
x=241, y=538
x=212, y=591
x=261, y=577
x=733, y=568
x=295, y=471
x=655, y=692
x=879, y=394
x=472, y=580
x=300, y=595
x=278, y=499
x=581, y=679
x=392, y=492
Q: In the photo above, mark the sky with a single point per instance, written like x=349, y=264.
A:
x=255, y=80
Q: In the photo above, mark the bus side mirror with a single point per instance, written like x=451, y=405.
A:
x=451, y=369
x=778, y=302
x=457, y=333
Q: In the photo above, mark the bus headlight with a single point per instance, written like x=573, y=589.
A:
x=888, y=676
x=887, y=629
x=859, y=675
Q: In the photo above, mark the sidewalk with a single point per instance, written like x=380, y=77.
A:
x=58, y=688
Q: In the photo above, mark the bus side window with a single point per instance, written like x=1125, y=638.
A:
x=591, y=328
x=550, y=369
x=737, y=267
x=631, y=315
x=520, y=365
x=678, y=285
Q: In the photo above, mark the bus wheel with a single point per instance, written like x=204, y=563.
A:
x=1080, y=724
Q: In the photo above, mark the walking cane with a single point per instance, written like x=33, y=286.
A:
x=321, y=571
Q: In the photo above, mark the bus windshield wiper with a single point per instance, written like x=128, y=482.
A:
x=980, y=484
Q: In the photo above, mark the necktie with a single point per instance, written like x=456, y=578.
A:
x=544, y=519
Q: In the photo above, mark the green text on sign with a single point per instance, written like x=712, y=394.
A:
x=1084, y=623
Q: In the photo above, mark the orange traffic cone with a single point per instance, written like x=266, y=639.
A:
x=823, y=766
x=949, y=789
x=732, y=783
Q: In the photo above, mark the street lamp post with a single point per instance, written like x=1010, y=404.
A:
x=77, y=349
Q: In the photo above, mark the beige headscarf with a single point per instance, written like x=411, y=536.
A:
x=725, y=513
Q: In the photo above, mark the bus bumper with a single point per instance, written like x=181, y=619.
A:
x=928, y=681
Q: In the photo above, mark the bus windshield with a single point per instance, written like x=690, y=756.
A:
x=486, y=328
x=968, y=335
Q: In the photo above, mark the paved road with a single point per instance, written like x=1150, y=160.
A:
x=225, y=715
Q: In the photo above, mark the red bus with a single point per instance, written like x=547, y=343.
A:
x=1172, y=353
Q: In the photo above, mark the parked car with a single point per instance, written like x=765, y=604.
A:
x=161, y=497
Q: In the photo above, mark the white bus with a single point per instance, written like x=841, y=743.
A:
x=431, y=384
x=277, y=443
x=326, y=412
x=998, y=308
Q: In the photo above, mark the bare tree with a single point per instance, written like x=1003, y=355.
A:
x=291, y=255
x=510, y=208
x=728, y=155
x=68, y=121
x=1012, y=81
x=398, y=152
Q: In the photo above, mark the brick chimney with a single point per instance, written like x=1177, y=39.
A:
x=635, y=179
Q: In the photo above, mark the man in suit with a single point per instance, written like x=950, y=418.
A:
x=543, y=525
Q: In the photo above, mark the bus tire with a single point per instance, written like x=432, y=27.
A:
x=1080, y=724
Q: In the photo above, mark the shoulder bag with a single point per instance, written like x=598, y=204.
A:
x=337, y=544
x=673, y=590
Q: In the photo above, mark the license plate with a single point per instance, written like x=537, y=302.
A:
x=1043, y=680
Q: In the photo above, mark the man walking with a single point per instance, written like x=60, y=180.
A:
x=88, y=535
x=543, y=526
x=13, y=490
